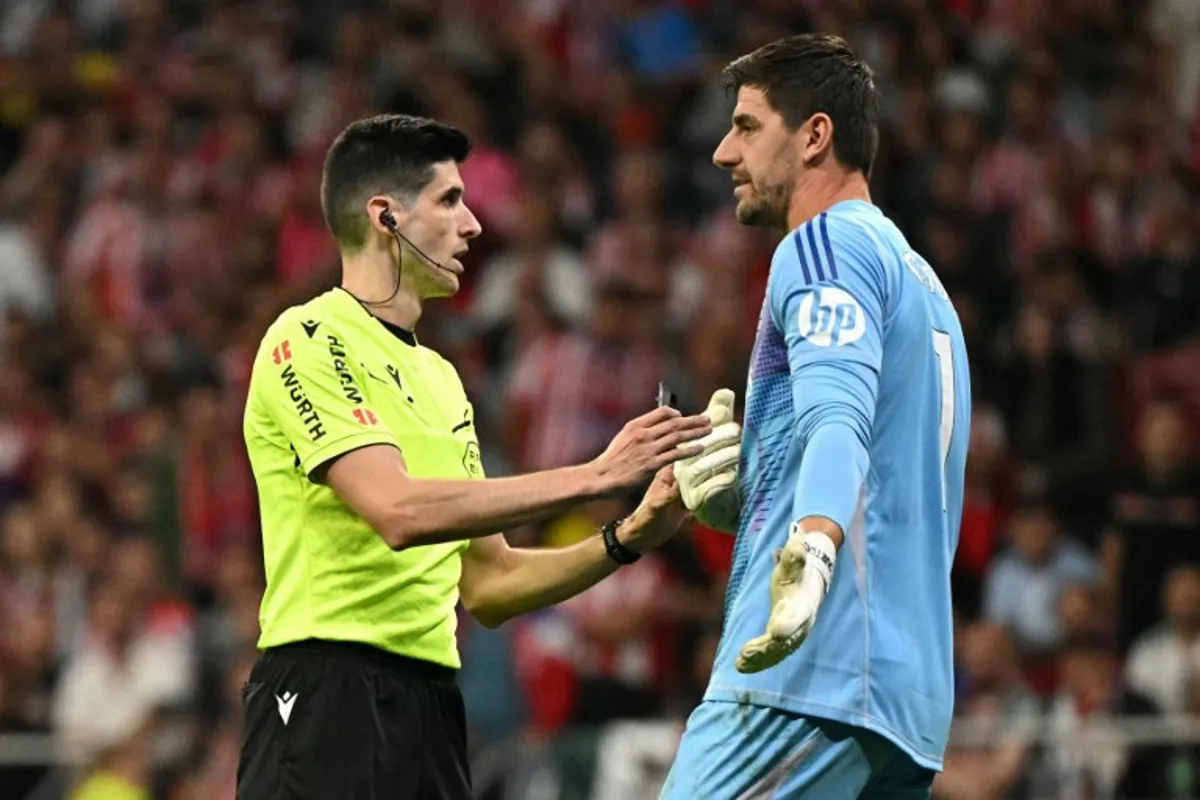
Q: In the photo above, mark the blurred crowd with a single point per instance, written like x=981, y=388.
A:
x=159, y=173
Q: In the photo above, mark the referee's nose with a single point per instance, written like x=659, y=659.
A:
x=468, y=225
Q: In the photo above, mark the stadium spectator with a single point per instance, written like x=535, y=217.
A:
x=120, y=678
x=1053, y=401
x=215, y=774
x=985, y=507
x=124, y=771
x=998, y=717
x=1164, y=286
x=1164, y=662
x=24, y=249
x=1155, y=519
x=1085, y=753
x=1084, y=611
x=1025, y=582
x=569, y=392
x=537, y=263
x=229, y=629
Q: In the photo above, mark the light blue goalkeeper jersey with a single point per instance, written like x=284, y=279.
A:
x=857, y=409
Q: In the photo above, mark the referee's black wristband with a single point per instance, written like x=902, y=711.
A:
x=617, y=551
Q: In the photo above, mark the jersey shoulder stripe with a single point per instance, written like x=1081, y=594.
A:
x=808, y=252
x=815, y=251
x=828, y=247
x=862, y=242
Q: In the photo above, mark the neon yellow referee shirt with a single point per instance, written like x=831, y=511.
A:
x=329, y=378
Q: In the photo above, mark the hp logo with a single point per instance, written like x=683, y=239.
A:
x=831, y=317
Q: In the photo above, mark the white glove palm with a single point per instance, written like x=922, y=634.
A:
x=708, y=481
x=803, y=570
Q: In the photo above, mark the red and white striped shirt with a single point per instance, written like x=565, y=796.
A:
x=578, y=393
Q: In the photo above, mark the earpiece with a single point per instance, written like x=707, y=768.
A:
x=387, y=219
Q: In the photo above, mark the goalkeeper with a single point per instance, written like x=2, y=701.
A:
x=833, y=678
x=376, y=517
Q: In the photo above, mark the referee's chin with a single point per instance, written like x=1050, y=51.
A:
x=440, y=283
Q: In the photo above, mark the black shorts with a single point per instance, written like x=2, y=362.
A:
x=342, y=721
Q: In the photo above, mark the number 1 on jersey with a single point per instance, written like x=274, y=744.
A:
x=944, y=350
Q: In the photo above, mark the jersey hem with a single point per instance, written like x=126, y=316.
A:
x=345, y=444
x=858, y=719
x=452, y=659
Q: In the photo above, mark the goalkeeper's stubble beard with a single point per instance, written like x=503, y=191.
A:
x=768, y=203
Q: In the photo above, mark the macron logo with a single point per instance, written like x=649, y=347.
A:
x=285, y=705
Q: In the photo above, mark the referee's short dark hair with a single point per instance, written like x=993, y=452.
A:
x=387, y=154
x=810, y=73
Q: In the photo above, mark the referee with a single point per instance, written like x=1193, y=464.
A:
x=376, y=517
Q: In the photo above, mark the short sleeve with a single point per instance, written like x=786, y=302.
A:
x=465, y=427
x=828, y=295
x=309, y=389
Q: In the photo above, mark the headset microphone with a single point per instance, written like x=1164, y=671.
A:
x=388, y=220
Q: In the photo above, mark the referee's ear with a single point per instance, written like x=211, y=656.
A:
x=379, y=207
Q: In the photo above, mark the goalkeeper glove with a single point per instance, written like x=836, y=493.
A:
x=708, y=481
x=799, y=582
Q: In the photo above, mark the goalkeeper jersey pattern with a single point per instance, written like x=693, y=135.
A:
x=856, y=330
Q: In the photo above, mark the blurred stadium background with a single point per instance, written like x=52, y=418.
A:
x=159, y=165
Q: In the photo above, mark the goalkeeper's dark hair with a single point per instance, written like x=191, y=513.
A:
x=810, y=73
x=388, y=154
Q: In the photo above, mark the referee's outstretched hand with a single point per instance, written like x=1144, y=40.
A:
x=657, y=518
x=648, y=443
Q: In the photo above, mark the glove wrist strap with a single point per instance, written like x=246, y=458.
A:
x=819, y=551
x=816, y=548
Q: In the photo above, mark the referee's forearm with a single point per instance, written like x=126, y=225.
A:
x=431, y=511
x=526, y=579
